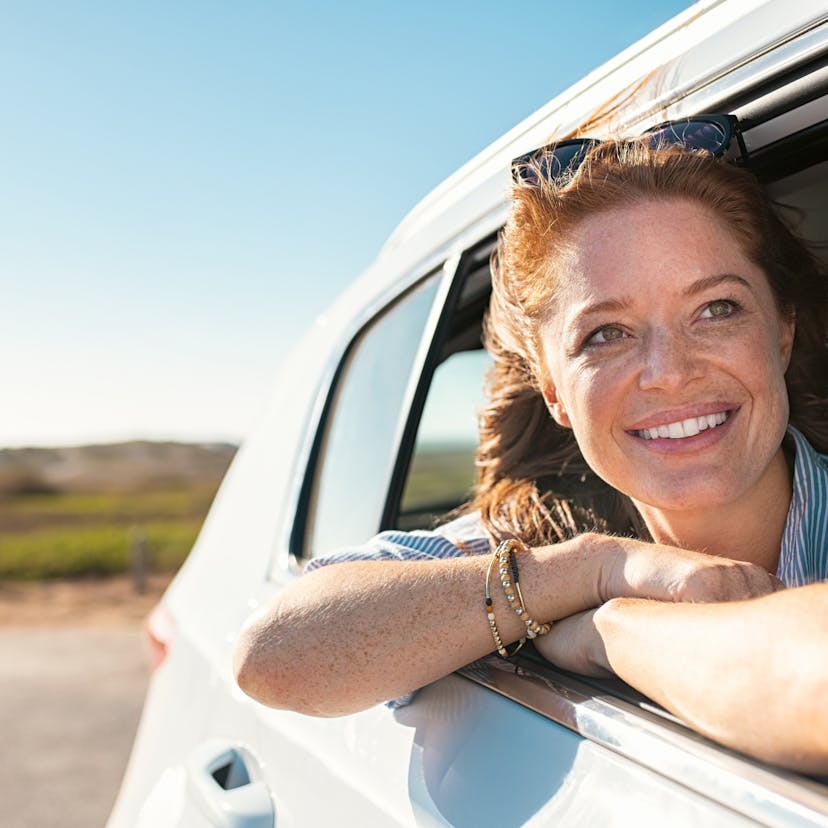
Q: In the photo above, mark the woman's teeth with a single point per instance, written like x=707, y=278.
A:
x=684, y=428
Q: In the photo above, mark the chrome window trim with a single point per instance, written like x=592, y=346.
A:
x=788, y=123
x=661, y=744
x=793, y=50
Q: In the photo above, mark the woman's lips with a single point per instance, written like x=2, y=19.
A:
x=680, y=429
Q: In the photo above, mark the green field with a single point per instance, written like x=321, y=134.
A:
x=67, y=534
x=440, y=479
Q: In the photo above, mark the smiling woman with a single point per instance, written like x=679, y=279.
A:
x=649, y=468
x=681, y=339
x=653, y=288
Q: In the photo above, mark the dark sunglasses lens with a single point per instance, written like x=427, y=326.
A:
x=550, y=163
x=709, y=136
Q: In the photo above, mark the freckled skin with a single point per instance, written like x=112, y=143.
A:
x=662, y=350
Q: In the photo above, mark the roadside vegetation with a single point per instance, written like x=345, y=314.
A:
x=440, y=478
x=97, y=525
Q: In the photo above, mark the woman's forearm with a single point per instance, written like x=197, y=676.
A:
x=752, y=675
x=350, y=635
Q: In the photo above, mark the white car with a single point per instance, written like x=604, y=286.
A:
x=373, y=426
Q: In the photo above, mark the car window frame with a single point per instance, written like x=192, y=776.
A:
x=468, y=262
x=443, y=268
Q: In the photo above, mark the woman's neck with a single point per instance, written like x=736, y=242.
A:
x=748, y=529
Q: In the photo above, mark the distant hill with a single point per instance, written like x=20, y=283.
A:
x=116, y=467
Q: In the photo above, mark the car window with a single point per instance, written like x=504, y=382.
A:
x=358, y=445
x=442, y=472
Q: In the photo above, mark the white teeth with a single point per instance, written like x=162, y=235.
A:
x=683, y=428
x=691, y=427
x=716, y=419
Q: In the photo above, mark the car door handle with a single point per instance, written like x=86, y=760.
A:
x=224, y=782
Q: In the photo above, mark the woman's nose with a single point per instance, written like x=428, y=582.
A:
x=670, y=361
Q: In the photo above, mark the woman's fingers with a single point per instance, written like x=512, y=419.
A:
x=720, y=579
x=574, y=644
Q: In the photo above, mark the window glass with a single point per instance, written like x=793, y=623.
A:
x=359, y=446
x=442, y=471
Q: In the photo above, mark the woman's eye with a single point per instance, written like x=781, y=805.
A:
x=602, y=336
x=719, y=309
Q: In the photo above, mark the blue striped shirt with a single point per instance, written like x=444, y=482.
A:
x=460, y=537
x=803, y=557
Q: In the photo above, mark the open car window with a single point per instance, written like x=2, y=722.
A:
x=442, y=473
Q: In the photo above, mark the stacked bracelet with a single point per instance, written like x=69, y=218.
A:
x=510, y=581
x=491, y=616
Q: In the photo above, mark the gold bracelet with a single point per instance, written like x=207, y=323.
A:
x=510, y=581
x=502, y=650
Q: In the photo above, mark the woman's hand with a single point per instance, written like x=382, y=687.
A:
x=750, y=674
x=575, y=644
x=634, y=568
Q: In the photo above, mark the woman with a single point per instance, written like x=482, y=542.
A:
x=656, y=408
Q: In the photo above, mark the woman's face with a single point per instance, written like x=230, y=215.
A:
x=665, y=353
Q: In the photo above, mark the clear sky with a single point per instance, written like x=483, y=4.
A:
x=187, y=185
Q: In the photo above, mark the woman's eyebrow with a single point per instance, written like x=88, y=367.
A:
x=602, y=307
x=708, y=282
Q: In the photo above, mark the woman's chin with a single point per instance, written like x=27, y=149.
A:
x=683, y=496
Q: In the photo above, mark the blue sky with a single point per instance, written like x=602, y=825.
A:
x=187, y=185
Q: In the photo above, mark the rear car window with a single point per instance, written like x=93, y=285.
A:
x=359, y=438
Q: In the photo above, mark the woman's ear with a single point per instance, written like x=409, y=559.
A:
x=555, y=406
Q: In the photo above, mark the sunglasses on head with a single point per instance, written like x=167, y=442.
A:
x=703, y=133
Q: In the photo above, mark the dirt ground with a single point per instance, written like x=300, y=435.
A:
x=73, y=673
x=78, y=602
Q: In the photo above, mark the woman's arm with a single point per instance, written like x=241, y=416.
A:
x=752, y=675
x=350, y=635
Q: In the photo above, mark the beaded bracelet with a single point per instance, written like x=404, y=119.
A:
x=510, y=581
x=502, y=650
